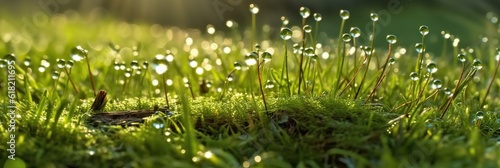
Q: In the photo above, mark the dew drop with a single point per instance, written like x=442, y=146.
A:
x=286, y=33
x=44, y=63
x=297, y=49
x=284, y=21
x=307, y=29
x=344, y=14
x=436, y=84
x=55, y=75
x=355, y=32
x=116, y=65
x=134, y=64
x=309, y=51
x=160, y=64
x=447, y=91
x=391, y=39
x=145, y=65
x=392, y=61
x=424, y=30
x=267, y=56
x=237, y=65
x=419, y=47
x=10, y=57
x=128, y=72
x=169, y=56
x=305, y=12
x=91, y=152
x=69, y=64
x=479, y=115
x=61, y=63
x=318, y=17
x=78, y=53
x=346, y=37
x=368, y=50
x=26, y=62
x=477, y=64
x=269, y=84
x=431, y=67
x=3, y=63
x=374, y=17
x=254, y=9
x=158, y=125
x=461, y=57
x=230, y=24
x=230, y=77
x=210, y=29
x=414, y=76
x=251, y=59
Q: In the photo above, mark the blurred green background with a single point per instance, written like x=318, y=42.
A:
x=463, y=18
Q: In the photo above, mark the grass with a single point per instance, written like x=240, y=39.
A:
x=198, y=92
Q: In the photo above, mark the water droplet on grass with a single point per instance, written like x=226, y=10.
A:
x=392, y=61
x=461, y=57
x=78, y=53
x=344, y=14
x=447, y=91
x=169, y=56
x=251, y=59
x=479, y=115
x=284, y=21
x=210, y=29
x=91, y=152
x=160, y=64
x=477, y=64
x=297, y=49
x=69, y=64
x=269, y=84
x=128, y=72
x=55, y=75
x=367, y=50
x=145, y=65
x=317, y=17
x=305, y=12
x=61, y=63
x=116, y=66
x=414, y=76
x=419, y=47
x=307, y=29
x=374, y=17
x=254, y=9
x=10, y=57
x=27, y=61
x=134, y=64
x=3, y=64
x=346, y=37
x=309, y=51
x=391, y=39
x=355, y=32
x=267, y=56
x=436, y=84
x=431, y=67
x=286, y=33
x=158, y=125
x=424, y=30
x=237, y=65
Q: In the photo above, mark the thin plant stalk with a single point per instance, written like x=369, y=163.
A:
x=453, y=95
x=90, y=75
x=259, y=76
x=381, y=77
x=71, y=80
x=491, y=82
x=284, y=71
x=165, y=90
x=301, y=60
